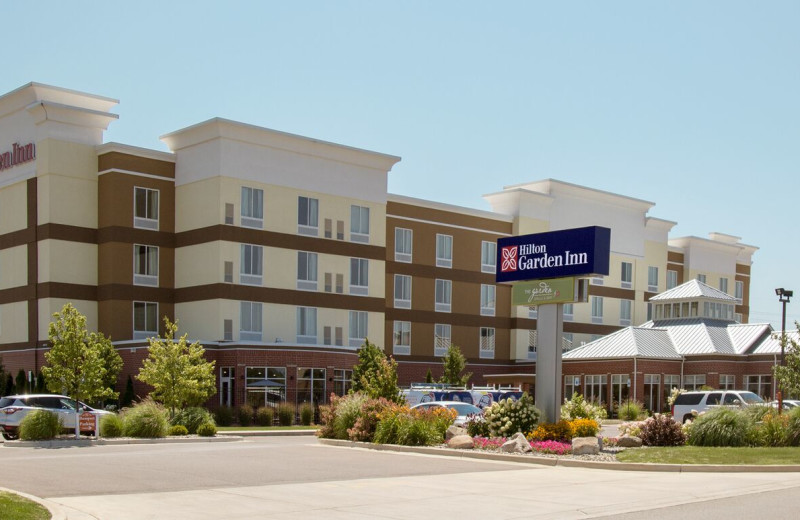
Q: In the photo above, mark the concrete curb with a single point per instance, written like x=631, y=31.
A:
x=67, y=443
x=268, y=433
x=56, y=513
x=566, y=463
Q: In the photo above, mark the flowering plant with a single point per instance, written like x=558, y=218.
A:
x=488, y=443
x=674, y=395
x=508, y=416
x=552, y=447
x=579, y=408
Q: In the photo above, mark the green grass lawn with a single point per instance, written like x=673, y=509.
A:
x=699, y=455
x=14, y=507
x=261, y=428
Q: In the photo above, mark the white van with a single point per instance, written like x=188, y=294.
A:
x=689, y=402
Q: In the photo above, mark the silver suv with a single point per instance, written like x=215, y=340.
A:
x=688, y=402
x=14, y=408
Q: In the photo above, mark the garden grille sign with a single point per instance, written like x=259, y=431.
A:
x=555, y=254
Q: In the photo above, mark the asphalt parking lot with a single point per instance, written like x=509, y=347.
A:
x=298, y=478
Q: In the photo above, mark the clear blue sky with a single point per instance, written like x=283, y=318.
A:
x=692, y=105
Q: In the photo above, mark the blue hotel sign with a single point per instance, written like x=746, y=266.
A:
x=555, y=254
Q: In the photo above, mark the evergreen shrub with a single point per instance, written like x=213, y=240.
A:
x=207, y=430
x=192, y=417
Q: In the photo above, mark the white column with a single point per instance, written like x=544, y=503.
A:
x=550, y=328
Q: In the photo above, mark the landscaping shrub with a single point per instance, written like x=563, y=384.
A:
x=772, y=431
x=631, y=410
x=265, y=416
x=285, y=414
x=244, y=414
x=177, y=430
x=348, y=409
x=353, y=416
x=207, y=430
x=192, y=417
x=578, y=408
x=476, y=426
x=39, y=425
x=224, y=415
x=632, y=429
x=507, y=417
x=306, y=414
x=793, y=427
x=401, y=425
x=146, y=419
x=584, y=428
x=560, y=432
x=756, y=413
x=367, y=421
x=661, y=430
x=720, y=427
x=111, y=426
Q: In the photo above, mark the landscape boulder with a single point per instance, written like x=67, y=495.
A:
x=461, y=442
x=585, y=446
x=627, y=441
x=454, y=431
x=516, y=444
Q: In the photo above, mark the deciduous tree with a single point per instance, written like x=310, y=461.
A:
x=788, y=376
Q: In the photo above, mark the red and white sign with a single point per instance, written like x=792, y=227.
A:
x=509, y=260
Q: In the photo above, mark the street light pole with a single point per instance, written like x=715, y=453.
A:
x=784, y=295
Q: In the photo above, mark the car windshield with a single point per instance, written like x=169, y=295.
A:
x=751, y=398
x=465, y=408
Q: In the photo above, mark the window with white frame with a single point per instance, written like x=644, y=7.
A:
x=723, y=285
x=252, y=268
x=401, y=338
x=250, y=321
x=307, y=325
x=306, y=271
x=488, y=257
x=308, y=216
x=488, y=299
x=532, y=344
x=739, y=294
x=738, y=317
x=358, y=328
x=441, y=339
x=145, y=265
x=672, y=279
x=444, y=250
x=727, y=382
x=145, y=320
x=701, y=278
x=596, y=280
x=402, y=291
x=443, y=295
x=596, y=388
x=569, y=311
x=694, y=381
x=597, y=309
x=359, y=276
x=626, y=275
x=572, y=385
x=625, y=312
x=487, y=343
x=403, y=244
x=760, y=385
x=252, y=207
x=359, y=224
x=145, y=208
x=652, y=279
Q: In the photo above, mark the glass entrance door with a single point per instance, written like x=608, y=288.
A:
x=226, y=378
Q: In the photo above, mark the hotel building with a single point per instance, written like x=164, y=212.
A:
x=281, y=253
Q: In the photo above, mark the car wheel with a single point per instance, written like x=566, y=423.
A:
x=687, y=417
x=9, y=436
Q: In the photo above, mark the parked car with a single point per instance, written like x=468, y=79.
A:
x=788, y=404
x=14, y=408
x=688, y=402
x=464, y=410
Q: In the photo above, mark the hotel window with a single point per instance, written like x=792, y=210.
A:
x=531, y=344
x=145, y=320
x=340, y=230
x=672, y=279
x=441, y=339
x=597, y=309
x=259, y=394
x=402, y=291
x=145, y=265
x=358, y=328
x=596, y=280
x=401, y=340
x=252, y=269
x=694, y=382
x=228, y=272
x=444, y=250
x=311, y=385
x=569, y=310
x=443, y=295
x=651, y=393
x=626, y=275
x=652, y=279
x=307, y=216
x=338, y=336
x=306, y=271
x=488, y=299
x=250, y=322
x=145, y=208
x=701, y=278
x=227, y=330
x=723, y=285
x=737, y=317
x=229, y=213
x=727, y=382
x=620, y=385
x=307, y=325
x=572, y=384
x=342, y=381
x=402, y=244
x=624, y=312
x=252, y=207
x=359, y=224
x=739, y=294
x=759, y=385
x=339, y=283
x=359, y=276
x=670, y=381
x=487, y=343
x=488, y=257
x=328, y=228
x=596, y=388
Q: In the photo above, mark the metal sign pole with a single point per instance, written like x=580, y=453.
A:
x=549, y=331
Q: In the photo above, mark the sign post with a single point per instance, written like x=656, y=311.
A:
x=546, y=258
